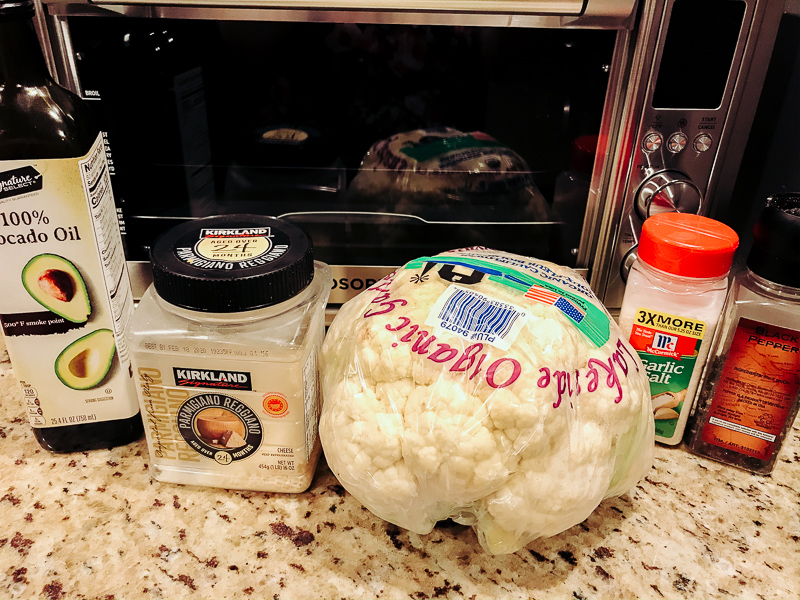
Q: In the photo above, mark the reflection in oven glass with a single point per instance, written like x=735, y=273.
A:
x=313, y=121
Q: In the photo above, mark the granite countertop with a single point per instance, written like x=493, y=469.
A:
x=94, y=525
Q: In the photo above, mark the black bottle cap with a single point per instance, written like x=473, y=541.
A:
x=775, y=254
x=231, y=263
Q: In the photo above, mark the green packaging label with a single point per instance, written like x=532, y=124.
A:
x=668, y=346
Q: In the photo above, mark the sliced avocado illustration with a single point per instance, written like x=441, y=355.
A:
x=86, y=361
x=55, y=283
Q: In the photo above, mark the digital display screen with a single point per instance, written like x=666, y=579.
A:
x=698, y=52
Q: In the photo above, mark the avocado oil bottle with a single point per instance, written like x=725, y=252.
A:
x=66, y=296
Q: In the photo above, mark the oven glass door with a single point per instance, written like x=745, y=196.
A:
x=384, y=142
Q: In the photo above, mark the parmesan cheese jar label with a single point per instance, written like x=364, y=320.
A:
x=234, y=419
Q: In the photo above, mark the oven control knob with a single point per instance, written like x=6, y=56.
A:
x=627, y=263
x=702, y=142
x=652, y=142
x=667, y=191
x=677, y=142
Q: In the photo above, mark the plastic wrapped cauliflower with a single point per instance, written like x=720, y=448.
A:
x=484, y=387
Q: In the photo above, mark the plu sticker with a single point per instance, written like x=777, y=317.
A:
x=477, y=317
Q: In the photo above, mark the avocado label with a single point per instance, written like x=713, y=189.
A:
x=85, y=362
x=57, y=284
x=66, y=297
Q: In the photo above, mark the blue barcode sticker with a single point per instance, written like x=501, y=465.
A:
x=477, y=317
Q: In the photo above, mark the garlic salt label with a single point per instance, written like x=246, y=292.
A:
x=673, y=298
x=668, y=346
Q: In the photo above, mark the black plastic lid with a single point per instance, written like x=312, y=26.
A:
x=775, y=254
x=231, y=263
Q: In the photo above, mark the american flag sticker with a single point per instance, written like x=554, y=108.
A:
x=545, y=296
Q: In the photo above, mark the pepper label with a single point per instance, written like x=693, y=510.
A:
x=759, y=381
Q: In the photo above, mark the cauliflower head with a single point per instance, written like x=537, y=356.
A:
x=484, y=387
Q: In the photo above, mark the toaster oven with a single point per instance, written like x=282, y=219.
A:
x=393, y=129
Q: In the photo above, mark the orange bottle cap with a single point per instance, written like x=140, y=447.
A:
x=687, y=245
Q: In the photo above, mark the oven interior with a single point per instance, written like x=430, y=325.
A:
x=212, y=117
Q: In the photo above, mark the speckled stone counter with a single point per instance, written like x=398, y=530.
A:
x=93, y=525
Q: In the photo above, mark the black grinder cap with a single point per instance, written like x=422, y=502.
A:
x=775, y=254
x=231, y=263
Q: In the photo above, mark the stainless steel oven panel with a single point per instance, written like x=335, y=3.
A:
x=589, y=14
x=676, y=152
x=607, y=14
x=348, y=280
x=351, y=280
x=557, y=7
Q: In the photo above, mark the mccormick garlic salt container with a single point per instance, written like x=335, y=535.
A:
x=673, y=299
x=225, y=348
